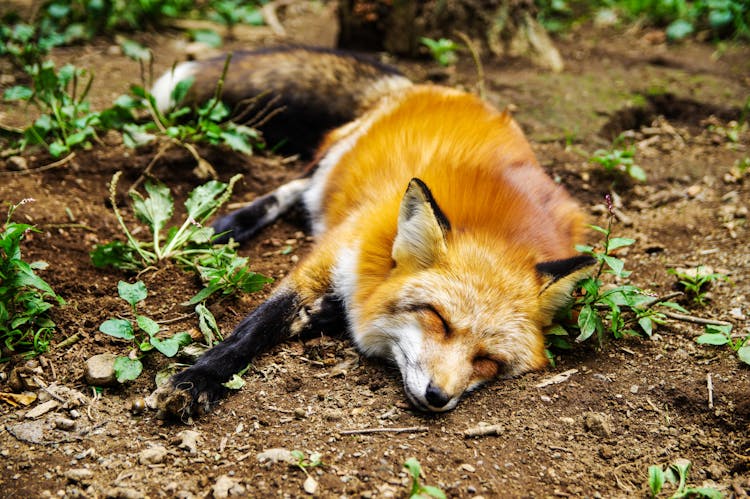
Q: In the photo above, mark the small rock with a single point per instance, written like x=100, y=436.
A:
x=152, y=455
x=310, y=486
x=42, y=409
x=64, y=424
x=17, y=163
x=137, y=405
x=276, y=455
x=468, y=467
x=123, y=493
x=189, y=440
x=736, y=313
x=597, y=423
x=568, y=420
x=226, y=486
x=100, y=370
x=634, y=389
x=79, y=475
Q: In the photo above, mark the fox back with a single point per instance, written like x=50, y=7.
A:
x=442, y=246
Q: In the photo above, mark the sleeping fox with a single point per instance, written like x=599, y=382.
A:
x=442, y=246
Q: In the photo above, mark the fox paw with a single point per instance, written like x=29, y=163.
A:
x=189, y=393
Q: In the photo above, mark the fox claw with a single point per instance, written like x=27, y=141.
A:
x=189, y=393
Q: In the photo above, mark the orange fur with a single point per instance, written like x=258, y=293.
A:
x=506, y=216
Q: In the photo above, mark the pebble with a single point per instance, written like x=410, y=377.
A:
x=17, y=163
x=597, y=423
x=189, y=440
x=468, y=467
x=310, y=486
x=634, y=389
x=42, y=409
x=124, y=493
x=226, y=486
x=79, y=475
x=64, y=424
x=100, y=370
x=152, y=455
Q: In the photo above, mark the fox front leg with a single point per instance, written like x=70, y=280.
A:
x=285, y=314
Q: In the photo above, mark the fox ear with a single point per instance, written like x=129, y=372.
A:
x=559, y=278
x=422, y=228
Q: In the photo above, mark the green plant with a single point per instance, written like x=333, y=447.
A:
x=624, y=306
x=24, y=306
x=142, y=330
x=716, y=334
x=190, y=245
x=619, y=161
x=695, y=280
x=66, y=119
x=443, y=51
x=417, y=489
x=677, y=474
x=181, y=126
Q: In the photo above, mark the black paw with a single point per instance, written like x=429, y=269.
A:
x=189, y=393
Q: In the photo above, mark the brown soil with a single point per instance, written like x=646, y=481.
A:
x=630, y=404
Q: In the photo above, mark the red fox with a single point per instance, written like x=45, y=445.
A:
x=442, y=245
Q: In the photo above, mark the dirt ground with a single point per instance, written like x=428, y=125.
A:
x=631, y=404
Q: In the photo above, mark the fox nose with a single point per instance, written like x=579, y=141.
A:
x=436, y=397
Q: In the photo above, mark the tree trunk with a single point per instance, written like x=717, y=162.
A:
x=504, y=28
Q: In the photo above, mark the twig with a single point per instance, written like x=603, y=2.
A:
x=484, y=430
x=50, y=166
x=272, y=20
x=176, y=319
x=696, y=320
x=477, y=63
x=710, y=386
x=163, y=148
x=364, y=431
x=557, y=378
x=44, y=387
x=69, y=341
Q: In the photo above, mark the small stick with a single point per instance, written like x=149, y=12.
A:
x=50, y=166
x=710, y=386
x=477, y=63
x=364, y=431
x=696, y=320
x=176, y=319
x=69, y=341
x=483, y=431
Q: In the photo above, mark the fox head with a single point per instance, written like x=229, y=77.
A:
x=461, y=308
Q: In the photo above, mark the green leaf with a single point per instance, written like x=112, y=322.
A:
x=19, y=92
x=237, y=142
x=615, y=264
x=675, y=306
x=118, y=328
x=203, y=199
x=433, y=492
x=207, y=36
x=413, y=467
x=200, y=296
x=147, y=324
x=57, y=149
x=637, y=173
x=135, y=50
x=127, y=369
x=587, y=322
x=207, y=324
x=655, y=479
x=744, y=353
x=156, y=209
x=132, y=293
x=181, y=89
x=679, y=29
x=115, y=254
x=234, y=383
x=618, y=242
x=712, y=339
x=647, y=325
x=170, y=346
x=725, y=329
